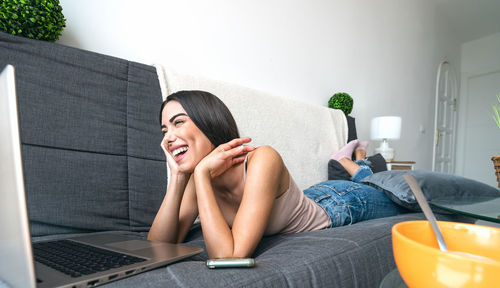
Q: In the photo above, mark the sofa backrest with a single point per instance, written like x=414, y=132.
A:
x=90, y=138
x=304, y=134
x=90, y=135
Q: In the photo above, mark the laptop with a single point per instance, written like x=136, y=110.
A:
x=26, y=264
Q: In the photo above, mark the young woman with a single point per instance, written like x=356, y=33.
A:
x=242, y=193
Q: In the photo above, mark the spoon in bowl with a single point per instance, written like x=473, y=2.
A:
x=422, y=202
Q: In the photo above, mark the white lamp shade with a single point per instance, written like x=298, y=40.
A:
x=386, y=127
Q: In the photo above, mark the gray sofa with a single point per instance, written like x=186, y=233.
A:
x=92, y=164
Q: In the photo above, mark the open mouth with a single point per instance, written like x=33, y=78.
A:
x=179, y=152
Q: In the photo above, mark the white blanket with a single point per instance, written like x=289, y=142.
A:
x=304, y=134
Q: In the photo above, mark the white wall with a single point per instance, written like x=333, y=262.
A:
x=479, y=137
x=383, y=52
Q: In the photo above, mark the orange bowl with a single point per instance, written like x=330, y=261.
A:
x=422, y=264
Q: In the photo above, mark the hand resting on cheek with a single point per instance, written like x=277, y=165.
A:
x=172, y=165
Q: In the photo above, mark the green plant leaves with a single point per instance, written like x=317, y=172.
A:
x=37, y=19
x=496, y=115
x=342, y=101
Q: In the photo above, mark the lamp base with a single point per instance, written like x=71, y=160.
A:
x=386, y=151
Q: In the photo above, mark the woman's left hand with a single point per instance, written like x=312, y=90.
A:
x=225, y=156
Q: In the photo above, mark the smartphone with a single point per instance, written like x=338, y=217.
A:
x=230, y=263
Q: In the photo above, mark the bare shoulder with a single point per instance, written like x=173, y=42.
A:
x=265, y=152
x=267, y=171
x=265, y=157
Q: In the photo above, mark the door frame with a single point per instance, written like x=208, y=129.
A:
x=454, y=88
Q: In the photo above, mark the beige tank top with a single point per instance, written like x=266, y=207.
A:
x=293, y=212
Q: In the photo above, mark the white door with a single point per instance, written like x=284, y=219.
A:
x=445, y=119
x=482, y=136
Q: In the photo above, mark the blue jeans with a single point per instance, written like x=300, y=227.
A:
x=348, y=202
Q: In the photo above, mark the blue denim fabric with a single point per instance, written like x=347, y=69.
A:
x=348, y=202
x=363, y=171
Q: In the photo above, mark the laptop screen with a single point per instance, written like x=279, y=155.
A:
x=16, y=265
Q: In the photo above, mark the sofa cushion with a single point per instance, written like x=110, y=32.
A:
x=436, y=186
x=357, y=255
x=90, y=137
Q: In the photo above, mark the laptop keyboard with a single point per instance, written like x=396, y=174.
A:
x=77, y=259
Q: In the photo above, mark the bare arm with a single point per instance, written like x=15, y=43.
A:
x=178, y=209
x=265, y=170
x=177, y=212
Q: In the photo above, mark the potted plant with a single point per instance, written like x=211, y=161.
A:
x=342, y=101
x=496, y=159
x=36, y=19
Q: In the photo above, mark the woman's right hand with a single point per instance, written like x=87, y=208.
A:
x=178, y=209
x=172, y=165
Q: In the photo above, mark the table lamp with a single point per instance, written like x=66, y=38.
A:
x=386, y=128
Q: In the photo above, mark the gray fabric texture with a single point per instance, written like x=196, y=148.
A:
x=90, y=138
x=358, y=255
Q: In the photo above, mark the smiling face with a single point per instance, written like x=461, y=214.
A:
x=185, y=142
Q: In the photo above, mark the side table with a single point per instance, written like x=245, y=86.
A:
x=484, y=208
x=401, y=165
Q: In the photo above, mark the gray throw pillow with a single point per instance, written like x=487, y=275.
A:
x=434, y=185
